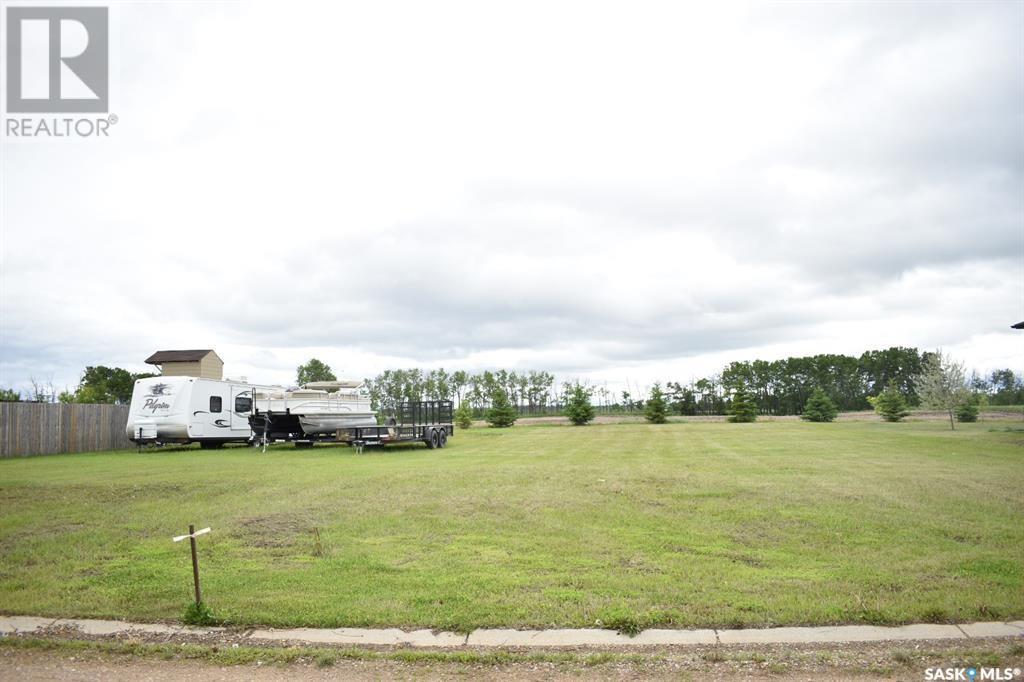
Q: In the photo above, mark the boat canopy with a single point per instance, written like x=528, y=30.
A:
x=332, y=385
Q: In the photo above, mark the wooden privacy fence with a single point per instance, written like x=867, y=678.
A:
x=43, y=429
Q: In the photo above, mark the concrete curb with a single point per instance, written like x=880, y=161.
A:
x=535, y=638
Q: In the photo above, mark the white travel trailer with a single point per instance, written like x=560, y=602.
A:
x=183, y=409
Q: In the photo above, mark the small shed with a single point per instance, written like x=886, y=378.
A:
x=188, y=363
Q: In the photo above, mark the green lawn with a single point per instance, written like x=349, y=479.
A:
x=626, y=525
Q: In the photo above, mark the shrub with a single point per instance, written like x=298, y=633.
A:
x=819, y=408
x=742, y=408
x=198, y=614
x=656, y=409
x=464, y=416
x=891, y=404
x=577, y=406
x=501, y=414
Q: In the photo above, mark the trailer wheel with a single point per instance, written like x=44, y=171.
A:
x=442, y=438
x=433, y=440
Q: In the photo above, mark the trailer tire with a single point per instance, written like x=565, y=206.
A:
x=442, y=438
x=433, y=439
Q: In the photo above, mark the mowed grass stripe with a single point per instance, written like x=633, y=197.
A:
x=621, y=525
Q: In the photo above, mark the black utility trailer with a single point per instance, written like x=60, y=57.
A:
x=427, y=421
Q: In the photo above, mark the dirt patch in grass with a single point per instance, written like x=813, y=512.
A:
x=275, y=531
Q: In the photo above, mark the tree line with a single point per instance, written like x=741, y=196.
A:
x=775, y=387
x=526, y=392
x=782, y=387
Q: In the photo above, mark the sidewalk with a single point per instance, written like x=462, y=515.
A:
x=533, y=638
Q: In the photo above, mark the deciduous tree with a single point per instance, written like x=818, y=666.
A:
x=942, y=385
x=102, y=384
x=314, y=370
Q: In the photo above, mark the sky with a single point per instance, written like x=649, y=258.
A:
x=614, y=192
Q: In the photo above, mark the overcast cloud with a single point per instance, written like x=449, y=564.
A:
x=606, y=190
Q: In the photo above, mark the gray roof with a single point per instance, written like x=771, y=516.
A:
x=162, y=356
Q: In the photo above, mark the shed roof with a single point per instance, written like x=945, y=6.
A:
x=162, y=356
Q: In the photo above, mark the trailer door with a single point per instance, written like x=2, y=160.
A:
x=241, y=408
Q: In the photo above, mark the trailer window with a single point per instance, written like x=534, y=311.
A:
x=215, y=403
x=243, y=404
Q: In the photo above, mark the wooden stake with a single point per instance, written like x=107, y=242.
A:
x=192, y=533
x=195, y=562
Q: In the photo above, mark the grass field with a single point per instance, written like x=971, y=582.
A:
x=620, y=525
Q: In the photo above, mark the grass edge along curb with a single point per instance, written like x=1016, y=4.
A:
x=323, y=656
x=832, y=656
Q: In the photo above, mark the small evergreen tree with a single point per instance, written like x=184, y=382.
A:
x=656, y=408
x=819, y=408
x=577, y=405
x=968, y=410
x=742, y=408
x=502, y=414
x=891, y=404
x=463, y=416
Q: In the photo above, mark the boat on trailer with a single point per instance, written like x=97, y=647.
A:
x=316, y=408
x=427, y=421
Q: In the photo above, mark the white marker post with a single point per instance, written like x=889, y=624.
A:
x=192, y=533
